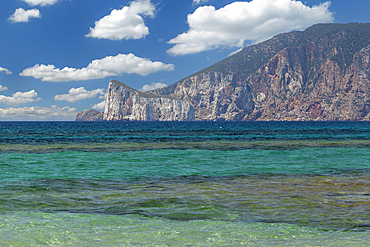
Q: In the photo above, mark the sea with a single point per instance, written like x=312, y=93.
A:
x=185, y=184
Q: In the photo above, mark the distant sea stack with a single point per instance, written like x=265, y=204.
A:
x=320, y=74
x=92, y=115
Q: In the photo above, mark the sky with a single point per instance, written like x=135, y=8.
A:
x=58, y=56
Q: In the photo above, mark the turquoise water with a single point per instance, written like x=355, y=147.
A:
x=178, y=184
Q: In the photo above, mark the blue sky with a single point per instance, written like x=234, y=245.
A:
x=57, y=56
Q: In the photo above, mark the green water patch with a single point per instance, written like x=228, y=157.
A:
x=44, y=229
x=218, y=145
x=325, y=188
x=150, y=164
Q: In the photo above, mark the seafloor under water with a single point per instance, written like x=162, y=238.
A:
x=178, y=184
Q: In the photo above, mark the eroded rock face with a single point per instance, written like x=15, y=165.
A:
x=216, y=97
x=125, y=103
x=92, y=115
x=321, y=74
x=282, y=91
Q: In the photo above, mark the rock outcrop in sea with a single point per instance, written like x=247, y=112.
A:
x=320, y=74
x=92, y=115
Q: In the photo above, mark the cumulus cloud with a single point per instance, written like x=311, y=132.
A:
x=80, y=93
x=29, y=94
x=99, y=106
x=100, y=68
x=238, y=22
x=199, y=1
x=130, y=64
x=3, y=88
x=8, y=72
x=40, y=2
x=38, y=113
x=125, y=23
x=20, y=98
x=152, y=86
x=21, y=15
x=52, y=74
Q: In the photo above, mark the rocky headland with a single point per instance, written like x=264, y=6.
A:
x=125, y=103
x=320, y=74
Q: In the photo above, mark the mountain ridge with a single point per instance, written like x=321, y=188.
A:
x=277, y=41
x=321, y=74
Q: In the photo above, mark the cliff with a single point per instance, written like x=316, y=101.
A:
x=125, y=103
x=215, y=96
x=319, y=74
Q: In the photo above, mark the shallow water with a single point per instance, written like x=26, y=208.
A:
x=63, y=229
x=171, y=184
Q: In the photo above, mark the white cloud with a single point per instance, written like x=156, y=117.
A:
x=237, y=22
x=99, y=106
x=29, y=94
x=21, y=15
x=125, y=23
x=19, y=98
x=52, y=74
x=80, y=93
x=8, y=72
x=38, y=113
x=153, y=86
x=40, y=2
x=100, y=68
x=3, y=88
x=199, y=1
x=130, y=64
